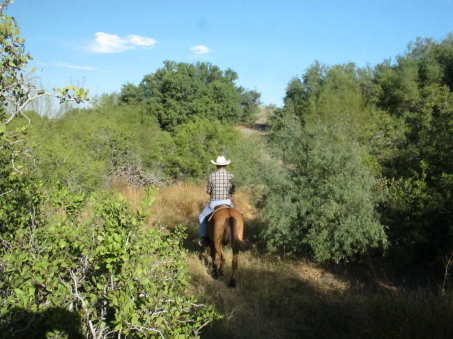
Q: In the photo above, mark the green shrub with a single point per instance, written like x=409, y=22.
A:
x=197, y=143
x=189, y=152
x=327, y=199
x=82, y=149
x=92, y=271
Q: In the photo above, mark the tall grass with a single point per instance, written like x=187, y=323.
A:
x=181, y=203
x=281, y=297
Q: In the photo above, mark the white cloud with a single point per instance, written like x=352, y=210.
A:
x=141, y=40
x=109, y=43
x=200, y=49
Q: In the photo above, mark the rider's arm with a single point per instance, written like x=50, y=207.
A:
x=209, y=186
x=233, y=185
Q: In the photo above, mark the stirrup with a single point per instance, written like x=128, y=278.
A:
x=202, y=241
x=205, y=241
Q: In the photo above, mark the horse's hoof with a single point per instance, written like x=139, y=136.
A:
x=220, y=273
x=232, y=283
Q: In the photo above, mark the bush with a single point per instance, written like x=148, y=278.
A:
x=82, y=149
x=326, y=200
x=196, y=143
x=92, y=271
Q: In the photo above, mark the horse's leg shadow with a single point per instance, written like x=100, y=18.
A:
x=215, y=271
x=200, y=253
x=203, y=256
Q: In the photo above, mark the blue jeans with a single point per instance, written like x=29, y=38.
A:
x=203, y=220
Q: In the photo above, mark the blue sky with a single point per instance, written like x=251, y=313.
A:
x=103, y=44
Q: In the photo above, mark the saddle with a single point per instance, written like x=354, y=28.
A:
x=219, y=207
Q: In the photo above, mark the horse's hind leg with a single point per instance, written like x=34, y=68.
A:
x=218, y=249
x=215, y=272
x=234, y=268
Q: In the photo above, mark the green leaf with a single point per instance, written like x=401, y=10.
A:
x=134, y=319
x=19, y=292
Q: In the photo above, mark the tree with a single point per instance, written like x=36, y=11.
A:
x=419, y=210
x=416, y=91
x=398, y=85
x=180, y=92
x=426, y=62
x=327, y=198
x=342, y=92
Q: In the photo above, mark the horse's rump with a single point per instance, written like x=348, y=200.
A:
x=229, y=223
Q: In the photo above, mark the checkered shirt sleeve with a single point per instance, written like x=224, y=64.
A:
x=221, y=185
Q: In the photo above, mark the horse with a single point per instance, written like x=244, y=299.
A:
x=226, y=226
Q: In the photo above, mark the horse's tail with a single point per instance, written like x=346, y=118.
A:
x=236, y=243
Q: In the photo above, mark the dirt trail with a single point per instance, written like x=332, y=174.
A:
x=260, y=126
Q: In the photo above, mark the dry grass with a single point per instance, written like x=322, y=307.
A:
x=294, y=298
x=134, y=194
x=181, y=203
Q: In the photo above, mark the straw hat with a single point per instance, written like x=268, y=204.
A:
x=221, y=161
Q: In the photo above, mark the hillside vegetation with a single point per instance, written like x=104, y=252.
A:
x=347, y=188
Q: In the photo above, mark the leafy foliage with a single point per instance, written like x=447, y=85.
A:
x=327, y=199
x=180, y=92
x=18, y=88
x=326, y=138
x=193, y=145
x=91, y=270
x=71, y=266
x=421, y=202
x=82, y=149
x=391, y=122
x=343, y=92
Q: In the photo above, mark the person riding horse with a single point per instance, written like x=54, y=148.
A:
x=220, y=187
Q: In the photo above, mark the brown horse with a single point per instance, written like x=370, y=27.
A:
x=226, y=226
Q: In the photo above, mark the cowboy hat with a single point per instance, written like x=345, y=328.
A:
x=221, y=161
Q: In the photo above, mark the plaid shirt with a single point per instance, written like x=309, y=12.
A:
x=221, y=185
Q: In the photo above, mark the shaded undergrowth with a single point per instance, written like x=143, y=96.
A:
x=283, y=296
x=288, y=299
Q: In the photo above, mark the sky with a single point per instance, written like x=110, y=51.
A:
x=104, y=44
